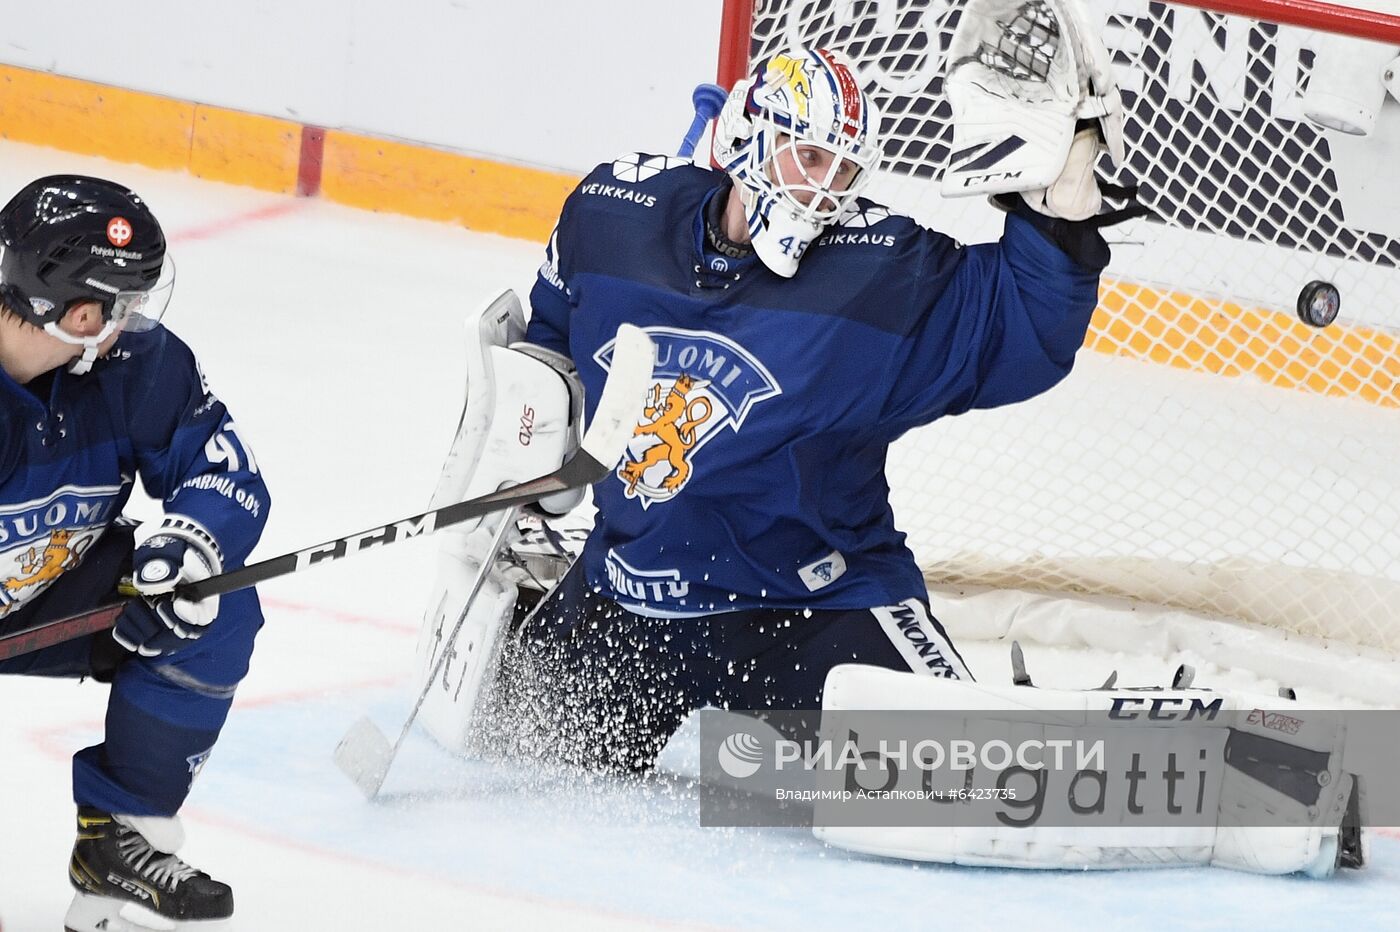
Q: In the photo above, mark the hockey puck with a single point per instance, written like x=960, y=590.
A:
x=1318, y=303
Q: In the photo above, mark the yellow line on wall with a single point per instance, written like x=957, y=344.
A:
x=264, y=152
x=130, y=126
x=1219, y=337
x=479, y=194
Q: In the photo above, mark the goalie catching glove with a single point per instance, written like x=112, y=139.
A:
x=1034, y=103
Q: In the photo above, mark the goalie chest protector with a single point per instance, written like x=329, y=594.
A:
x=756, y=476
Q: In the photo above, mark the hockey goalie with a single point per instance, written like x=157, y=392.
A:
x=744, y=553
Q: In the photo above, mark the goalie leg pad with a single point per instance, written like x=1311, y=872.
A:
x=520, y=417
x=519, y=421
x=1280, y=799
x=471, y=588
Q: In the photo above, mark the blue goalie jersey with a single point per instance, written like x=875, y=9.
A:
x=74, y=445
x=756, y=476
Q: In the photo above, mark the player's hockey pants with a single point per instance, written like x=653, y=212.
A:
x=608, y=687
x=164, y=713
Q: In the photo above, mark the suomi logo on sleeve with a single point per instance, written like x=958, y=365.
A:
x=549, y=270
x=702, y=382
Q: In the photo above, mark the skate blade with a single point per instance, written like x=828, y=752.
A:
x=364, y=755
x=91, y=913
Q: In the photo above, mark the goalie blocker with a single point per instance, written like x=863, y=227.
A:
x=521, y=418
x=1285, y=805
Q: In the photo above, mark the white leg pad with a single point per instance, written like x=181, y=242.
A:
x=518, y=422
x=449, y=707
x=1257, y=827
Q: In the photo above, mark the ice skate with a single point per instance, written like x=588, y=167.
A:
x=127, y=881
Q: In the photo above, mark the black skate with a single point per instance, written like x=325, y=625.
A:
x=125, y=884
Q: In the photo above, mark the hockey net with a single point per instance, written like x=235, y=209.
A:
x=1210, y=452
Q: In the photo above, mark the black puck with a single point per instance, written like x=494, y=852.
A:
x=1318, y=303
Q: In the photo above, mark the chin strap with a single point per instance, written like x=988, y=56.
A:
x=90, y=345
x=83, y=363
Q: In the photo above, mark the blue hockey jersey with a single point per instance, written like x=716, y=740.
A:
x=756, y=474
x=71, y=447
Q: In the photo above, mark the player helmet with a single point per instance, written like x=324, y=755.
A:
x=805, y=97
x=66, y=239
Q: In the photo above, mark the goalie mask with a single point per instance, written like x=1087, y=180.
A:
x=66, y=239
x=794, y=103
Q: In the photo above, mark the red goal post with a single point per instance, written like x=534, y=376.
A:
x=1211, y=452
x=1331, y=17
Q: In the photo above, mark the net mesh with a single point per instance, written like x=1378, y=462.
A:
x=1026, y=44
x=1213, y=453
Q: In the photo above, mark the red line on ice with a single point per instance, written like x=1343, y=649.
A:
x=350, y=618
x=217, y=228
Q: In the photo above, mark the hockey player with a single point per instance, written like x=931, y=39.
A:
x=744, y=553
x=746, y=545
x=96, y=393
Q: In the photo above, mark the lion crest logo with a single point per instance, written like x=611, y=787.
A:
x=59, y=555
x=43, y=538
x=702, y=385
x=673, y=423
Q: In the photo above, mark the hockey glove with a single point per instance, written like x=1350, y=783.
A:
x=1034, y=103
x=158, y=623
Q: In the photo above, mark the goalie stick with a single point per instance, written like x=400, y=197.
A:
x=614, y=420
x=364, y=753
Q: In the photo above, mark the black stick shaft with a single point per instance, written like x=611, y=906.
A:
x=580, y=470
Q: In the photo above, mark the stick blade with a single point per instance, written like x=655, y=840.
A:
x=364, y=755
x=620, y=405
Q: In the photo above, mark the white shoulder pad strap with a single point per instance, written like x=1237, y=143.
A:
x=1021, y=74
x=1249, y=809
x=518, y=423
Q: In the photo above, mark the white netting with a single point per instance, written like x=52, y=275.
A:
x=1215, y=453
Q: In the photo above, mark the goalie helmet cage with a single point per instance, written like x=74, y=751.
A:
x=1211, y=452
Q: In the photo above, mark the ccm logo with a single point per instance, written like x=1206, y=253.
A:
x=527, y=426
x=991, y=176
x=1164, y=709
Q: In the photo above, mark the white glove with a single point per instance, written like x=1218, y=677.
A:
x=1034, y=102
x=160, y=623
